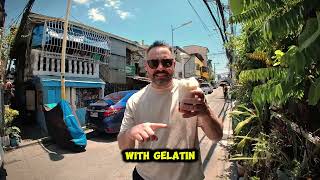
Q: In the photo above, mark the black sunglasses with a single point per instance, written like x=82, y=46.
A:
x=154, y=63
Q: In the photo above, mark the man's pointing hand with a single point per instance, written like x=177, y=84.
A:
x=145, y=131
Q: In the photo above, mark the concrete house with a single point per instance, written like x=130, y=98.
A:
x=202, y=54
x=188, y=64
x=203, y=51
x=87, y=48
x=93, y=58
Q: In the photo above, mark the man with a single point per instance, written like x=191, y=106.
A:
x=225, y=91
x=153, y=118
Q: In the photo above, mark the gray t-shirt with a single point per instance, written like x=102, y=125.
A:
x=161, y=106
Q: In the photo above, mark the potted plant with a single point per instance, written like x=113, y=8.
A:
x=14, y=135
x=11, y=132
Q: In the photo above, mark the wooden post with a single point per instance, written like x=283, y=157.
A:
x=63, y=53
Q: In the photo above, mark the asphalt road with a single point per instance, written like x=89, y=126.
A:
x=102, y=158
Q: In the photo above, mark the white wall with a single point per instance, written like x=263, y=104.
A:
x=178, y=69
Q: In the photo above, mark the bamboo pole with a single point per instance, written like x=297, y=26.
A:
x=63, y=53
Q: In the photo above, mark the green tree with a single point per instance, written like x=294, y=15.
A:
x=277, y=61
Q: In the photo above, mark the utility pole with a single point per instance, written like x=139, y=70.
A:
x=18, y=52
x=214, y=69
x=173, y=54
x=232, y=52
x=63, y=53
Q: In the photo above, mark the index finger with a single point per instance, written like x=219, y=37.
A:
x=155, y=126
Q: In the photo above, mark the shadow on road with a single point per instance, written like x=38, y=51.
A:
x=56, y=152
x=222, y=114
x=224, y=110
x=101, y=137
x=202, y=138
x=209, y=155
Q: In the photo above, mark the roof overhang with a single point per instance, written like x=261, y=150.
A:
x=55, y=81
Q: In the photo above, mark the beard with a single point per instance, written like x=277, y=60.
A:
x=161, y=80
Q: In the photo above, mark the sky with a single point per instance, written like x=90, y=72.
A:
x=137, y=20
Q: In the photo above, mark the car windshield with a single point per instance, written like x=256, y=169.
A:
x=127, y=96
x=121, y=96
x=204, y=85
x=114, y=97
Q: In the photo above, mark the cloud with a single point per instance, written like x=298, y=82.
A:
x=115, y=4
x=123, y=14
x=81, y=1
x=96, y=15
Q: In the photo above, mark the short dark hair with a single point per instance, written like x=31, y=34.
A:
x=159, y=44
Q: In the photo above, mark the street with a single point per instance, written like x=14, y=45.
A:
x=102, y=158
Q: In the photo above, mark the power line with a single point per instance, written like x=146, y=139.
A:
x=76, y=19
x=15, y=20
x=223, y=38
x=216, y=53
x=203, y=24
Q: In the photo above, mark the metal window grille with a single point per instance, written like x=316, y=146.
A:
x=82, y=42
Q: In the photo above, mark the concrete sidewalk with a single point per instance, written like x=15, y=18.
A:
x=214, y=154
x=218, y=166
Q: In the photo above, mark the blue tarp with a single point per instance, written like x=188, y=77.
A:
x=64, y=127
x=79, y=137
x=81, y=114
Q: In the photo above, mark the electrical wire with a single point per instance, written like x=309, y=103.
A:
x=76, y=19
x=16, y=19
x=202, y=22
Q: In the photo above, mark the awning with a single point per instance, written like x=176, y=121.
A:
x=80, y=82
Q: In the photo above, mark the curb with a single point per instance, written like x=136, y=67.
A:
x=44, y=140
x=29, y=143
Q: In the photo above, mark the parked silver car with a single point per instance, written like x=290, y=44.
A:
x=214, y=84
x=206, y=88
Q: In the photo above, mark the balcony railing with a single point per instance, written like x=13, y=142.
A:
x=49, y=63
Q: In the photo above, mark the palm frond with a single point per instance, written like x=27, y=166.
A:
x=288, y=22
x=270, y=92
x=314, y=93
x=241, y=124
x=259, y=56
x=255, y=10
x=309, y=40
x=262, y=74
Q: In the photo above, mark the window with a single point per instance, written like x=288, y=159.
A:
x=85, y=96
x=197, y=67
x=204, y=85
x=204, y=69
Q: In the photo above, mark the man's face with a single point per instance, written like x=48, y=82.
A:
x=160, y=66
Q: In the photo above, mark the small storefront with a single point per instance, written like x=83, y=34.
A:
x=85, y=96
x=80, y=92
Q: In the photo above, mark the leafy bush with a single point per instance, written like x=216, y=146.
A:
x=9, y=115
x=278, y=75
